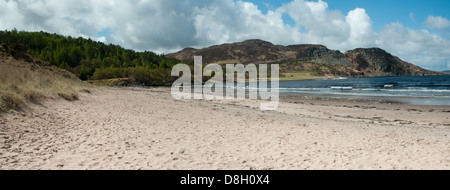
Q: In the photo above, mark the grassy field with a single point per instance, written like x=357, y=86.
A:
x=301, y=75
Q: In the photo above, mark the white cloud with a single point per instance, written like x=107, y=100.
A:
x=320, y=25
x=170, y=25
x=437, y=22
x=416, y=46
x=361, y=34
x=9, y=15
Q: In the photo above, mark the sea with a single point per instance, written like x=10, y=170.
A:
x=416, y=90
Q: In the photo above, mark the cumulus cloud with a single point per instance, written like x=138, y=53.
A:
x=170, y=25
x=416, y=46
x=318, y=24
x=361, y=33
x=437, y=22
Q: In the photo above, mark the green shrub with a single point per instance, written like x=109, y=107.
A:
x=142, y=75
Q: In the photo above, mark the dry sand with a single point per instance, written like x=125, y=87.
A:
x=136, y=128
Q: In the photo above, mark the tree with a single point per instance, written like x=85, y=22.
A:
x=84, y=74
x=75, y=53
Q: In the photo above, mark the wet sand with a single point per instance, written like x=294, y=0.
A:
x=137, y=128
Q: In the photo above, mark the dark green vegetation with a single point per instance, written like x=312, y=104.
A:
x=90, y=59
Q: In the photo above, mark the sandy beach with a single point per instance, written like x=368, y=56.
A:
x=140, y=128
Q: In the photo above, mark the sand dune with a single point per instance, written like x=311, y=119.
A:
x=136, y=128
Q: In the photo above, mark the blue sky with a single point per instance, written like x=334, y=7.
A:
x=417, y=31
x=411, y=13
x=383, y=12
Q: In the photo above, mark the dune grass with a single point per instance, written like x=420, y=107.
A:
x=19, y=85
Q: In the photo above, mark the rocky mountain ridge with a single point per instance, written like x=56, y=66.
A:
x=313, y=58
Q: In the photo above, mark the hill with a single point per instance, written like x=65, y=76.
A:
x=24, y=78
x=89, y=59
x=316, y=60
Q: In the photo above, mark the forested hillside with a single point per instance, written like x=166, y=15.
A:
x=89, y=59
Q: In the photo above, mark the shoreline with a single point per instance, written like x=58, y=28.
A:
x=144, y=128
